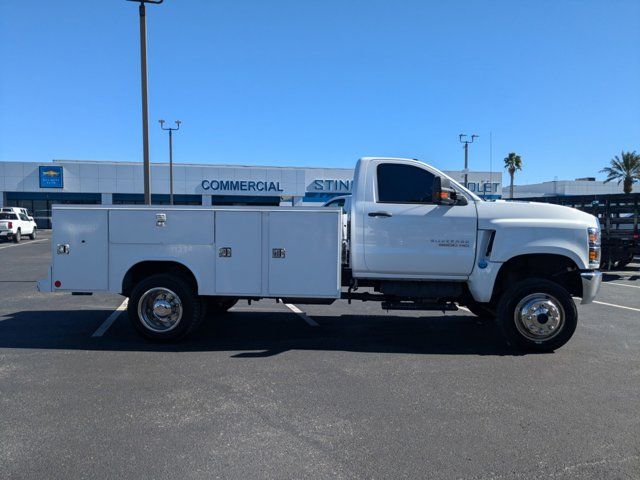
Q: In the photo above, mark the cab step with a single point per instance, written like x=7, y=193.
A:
x=441, y=307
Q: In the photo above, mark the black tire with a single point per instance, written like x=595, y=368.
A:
x=219, y=305
x=190, y=306
x=484, y=311
x=562, y=315
x=17, y=237
x=34, y=234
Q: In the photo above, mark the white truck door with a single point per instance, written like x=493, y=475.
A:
x=25, y=225
x=405, y=234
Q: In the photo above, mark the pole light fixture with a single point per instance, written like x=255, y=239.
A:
x=170, y=130
x=145, y=104
x=463, y=139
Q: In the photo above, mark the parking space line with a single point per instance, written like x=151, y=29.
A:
x=301, y=314
x=110, y=319
x=25, y=243
x=617, y=306
x=621, y=284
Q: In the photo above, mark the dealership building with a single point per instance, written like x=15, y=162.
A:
x=37, y=186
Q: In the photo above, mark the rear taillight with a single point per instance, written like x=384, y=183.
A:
x=10, y=225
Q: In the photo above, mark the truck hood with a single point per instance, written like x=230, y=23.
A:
x=530, y=228
x=494, y=215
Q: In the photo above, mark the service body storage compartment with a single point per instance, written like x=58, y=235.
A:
x=246, y=252
x=304, y=254
x=278, y=252
x=79, y=249
x=238, y=253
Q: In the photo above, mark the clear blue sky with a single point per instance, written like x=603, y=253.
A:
x=320, y=83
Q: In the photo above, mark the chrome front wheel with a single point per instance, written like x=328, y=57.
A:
x=539, y=316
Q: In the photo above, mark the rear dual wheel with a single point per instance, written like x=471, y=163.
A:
x=165, y=308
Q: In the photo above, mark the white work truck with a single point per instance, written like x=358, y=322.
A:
x=416, y=240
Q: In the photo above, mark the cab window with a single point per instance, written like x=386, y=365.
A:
x=23, y=217
x=398, y=183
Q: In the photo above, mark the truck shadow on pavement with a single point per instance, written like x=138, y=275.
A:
x=608, y=277
x=262, y=334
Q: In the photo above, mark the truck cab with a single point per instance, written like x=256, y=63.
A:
x=418, y=235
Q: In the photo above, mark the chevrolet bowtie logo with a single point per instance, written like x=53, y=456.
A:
x=51, y=173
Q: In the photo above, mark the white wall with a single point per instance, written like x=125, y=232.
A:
x=563, y=187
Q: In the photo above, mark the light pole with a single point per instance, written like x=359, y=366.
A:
x=466, y=154
x=170, y=130
x=145, y=106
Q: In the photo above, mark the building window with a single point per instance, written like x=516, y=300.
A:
x=156, y=199
x=39, y=204
x=245, y=200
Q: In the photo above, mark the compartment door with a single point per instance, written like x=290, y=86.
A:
x=238, y=269
x=182, y=227
x=85, y=267
x=311, y=263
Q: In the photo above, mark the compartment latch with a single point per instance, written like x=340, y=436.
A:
x=161, y=219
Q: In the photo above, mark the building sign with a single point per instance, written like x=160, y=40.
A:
x=321, y=185
x=51, y=177
x=241, y=186
x=483, y=188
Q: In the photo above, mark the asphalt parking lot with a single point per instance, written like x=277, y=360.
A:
x=336, y=392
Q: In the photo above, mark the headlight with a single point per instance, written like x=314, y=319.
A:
x=593, y=234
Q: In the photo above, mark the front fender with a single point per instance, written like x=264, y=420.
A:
x=568, y=242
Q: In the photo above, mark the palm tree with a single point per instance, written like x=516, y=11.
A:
x=512, y=163
x=625, y=168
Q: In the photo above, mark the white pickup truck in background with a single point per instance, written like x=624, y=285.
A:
x=15, y=223
x=415, y=240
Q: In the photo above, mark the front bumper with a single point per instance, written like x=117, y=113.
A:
x=591, y=281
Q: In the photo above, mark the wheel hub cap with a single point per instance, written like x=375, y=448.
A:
x=160, y=309
x=539, y=316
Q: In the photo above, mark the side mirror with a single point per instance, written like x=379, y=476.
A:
x=443, y=194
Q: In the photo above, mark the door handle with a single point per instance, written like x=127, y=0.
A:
x=379, y=214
